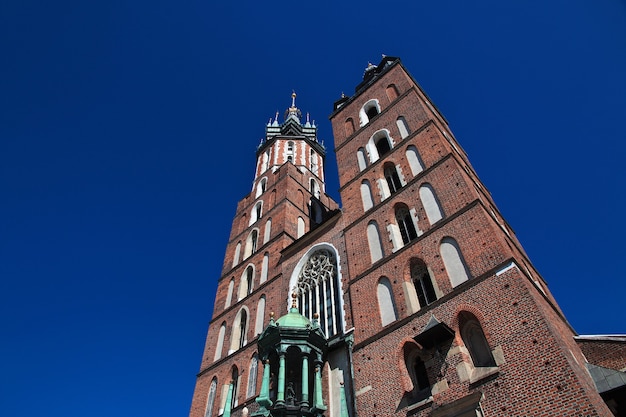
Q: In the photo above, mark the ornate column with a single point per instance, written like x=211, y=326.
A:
x=264, y=397
x=280, y=398
x=305, y=381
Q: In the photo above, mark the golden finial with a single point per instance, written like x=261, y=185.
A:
x=272, y=315
x=316, y=316
x=294, y=298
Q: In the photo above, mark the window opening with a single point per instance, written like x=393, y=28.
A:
x=382, y=146
x=475, y=341
x=405, y=223
x=392, y=177
x=423, y=283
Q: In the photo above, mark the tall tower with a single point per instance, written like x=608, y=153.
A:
x=415, y=298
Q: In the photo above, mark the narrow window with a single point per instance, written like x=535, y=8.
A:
x=259, y=208
x=314, y=188
x=260, y=188
x=366, y=195
x=265, y=267
x=416, y=368
x=243, y=322
x=475, y=341
x=265, y=160
x=300, y=227
x=361, y=159
x=453, y=261
x=315, y=212
x=237, y=253
x=235, y=379
x=252, y=376
x=229, y=296
x=392, y=177
x=249, y=280
x=403, y=127
x=290, y=151
x=211, y=398
x=260, y=315
x=431, y=204
x=392, y=92
x=220, y=342
x=386, y=303
x=251, y=243
x=405, y=223
x=369, y=111
x=373, y=239
x=314, y=165
x=268, y=230
x=423, y=282
x=415, y=162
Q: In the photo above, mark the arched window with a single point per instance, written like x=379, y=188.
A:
x=349, y=126
x=220, y=342
x=386, y=303
x=403, y=127
x=313, y=160
x=229, y=296
x=314, y=188
x=210, y=402
x=260, y=315
x=301, y=226
x=268, y=231
x=392, y=177
x=257, y=211
x=431, y=205
x=416, y=368
x=235, y=378
x=318, y=289
x=415, y=161
x=247, y=282
x=361, y=159
x=237, y=252
x=265, y=160
x=453, y=261
x=405, y=223
x=366, y=195
x=373, y=239
x=392, y=92
x=239, y=336
x=369, y=111
x=252, y=376
x=423, y=282
x=315, y=212
x=265, y=267
x=290, y=151
x=379, y=144
x=475, y=340
x=251, y=243
x=260, y=188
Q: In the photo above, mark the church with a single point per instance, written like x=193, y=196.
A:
x=413, y=297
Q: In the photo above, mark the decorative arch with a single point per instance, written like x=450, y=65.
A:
x=475, y=341
x=366, y=195
x=392, y=92
x=403, y=127
x=317, y=282
x=260, y=315
x=251, y=243
x=237, y=254
x=220, y=342
x=268, y=231
x=369, y=110
x=252, y=376
x=373, y=239
x=414, y=159
x=379, y=145
x=301, y=227
x=430, y=203
x=229, y=295
x=264, y=267
x=349, y=126
x=246, y=284
x=210, y=402
x=361, y=157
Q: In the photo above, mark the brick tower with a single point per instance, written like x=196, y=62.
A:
x=426, y=302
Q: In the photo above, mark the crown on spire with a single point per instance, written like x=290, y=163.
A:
x=293, y=111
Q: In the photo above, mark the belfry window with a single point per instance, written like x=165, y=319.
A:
x=318, y=290
x=369, y=110
x=235, y=379
x=475, y=341
x=423, y=282
x=382, y=146
x=405, y=224
x=392, y=177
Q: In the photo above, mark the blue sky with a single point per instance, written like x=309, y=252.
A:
x=127, y=136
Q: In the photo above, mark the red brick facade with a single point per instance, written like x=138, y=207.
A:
x=505, y=348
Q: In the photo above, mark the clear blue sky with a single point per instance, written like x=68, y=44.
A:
x=127, y=136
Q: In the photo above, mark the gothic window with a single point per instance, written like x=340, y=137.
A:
x=220, y=342
x=239, y=336
x=366, y=195
x=386, y=303
x=257, y=211
x=229, y=296
x=423, y=282
x=403, y=127
x=235, y=379
x=315, y=212
x=379, y=144
x=313, y=158
x=415, y=162
x=417, y=371
x=318, y=290
x=268, y=230
x=453, y=261
x=314, y=188
x=260, y=188
x=237, y=252
x=211, y=398
x=369, y=110
x=405, y=223
x=392, y=177
x=249, y=279
x=361, y=159
x=252, y=376
x=431, y=204
x=265, y=160
x=349, y=126
x=392, y=92
x=475, y=341
x=260, y=315
x=264, y=267
x=373, y=239
x=251, y=243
